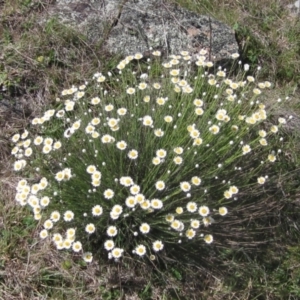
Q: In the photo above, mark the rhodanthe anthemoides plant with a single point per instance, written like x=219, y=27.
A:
x=146, y=161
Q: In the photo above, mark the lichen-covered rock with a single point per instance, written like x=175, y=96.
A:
x=132, y=26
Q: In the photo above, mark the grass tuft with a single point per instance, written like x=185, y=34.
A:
x=254, y=256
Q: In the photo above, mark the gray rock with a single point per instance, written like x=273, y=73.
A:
x=128, y=27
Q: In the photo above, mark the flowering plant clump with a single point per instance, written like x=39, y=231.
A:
x=142, y=163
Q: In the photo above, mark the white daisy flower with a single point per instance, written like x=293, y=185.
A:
x=140, y=250
x=97, y=210
x=144, y=228
x=109, y=245
x=157, y=246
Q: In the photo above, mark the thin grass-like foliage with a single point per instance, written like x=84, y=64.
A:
x=156, y=160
